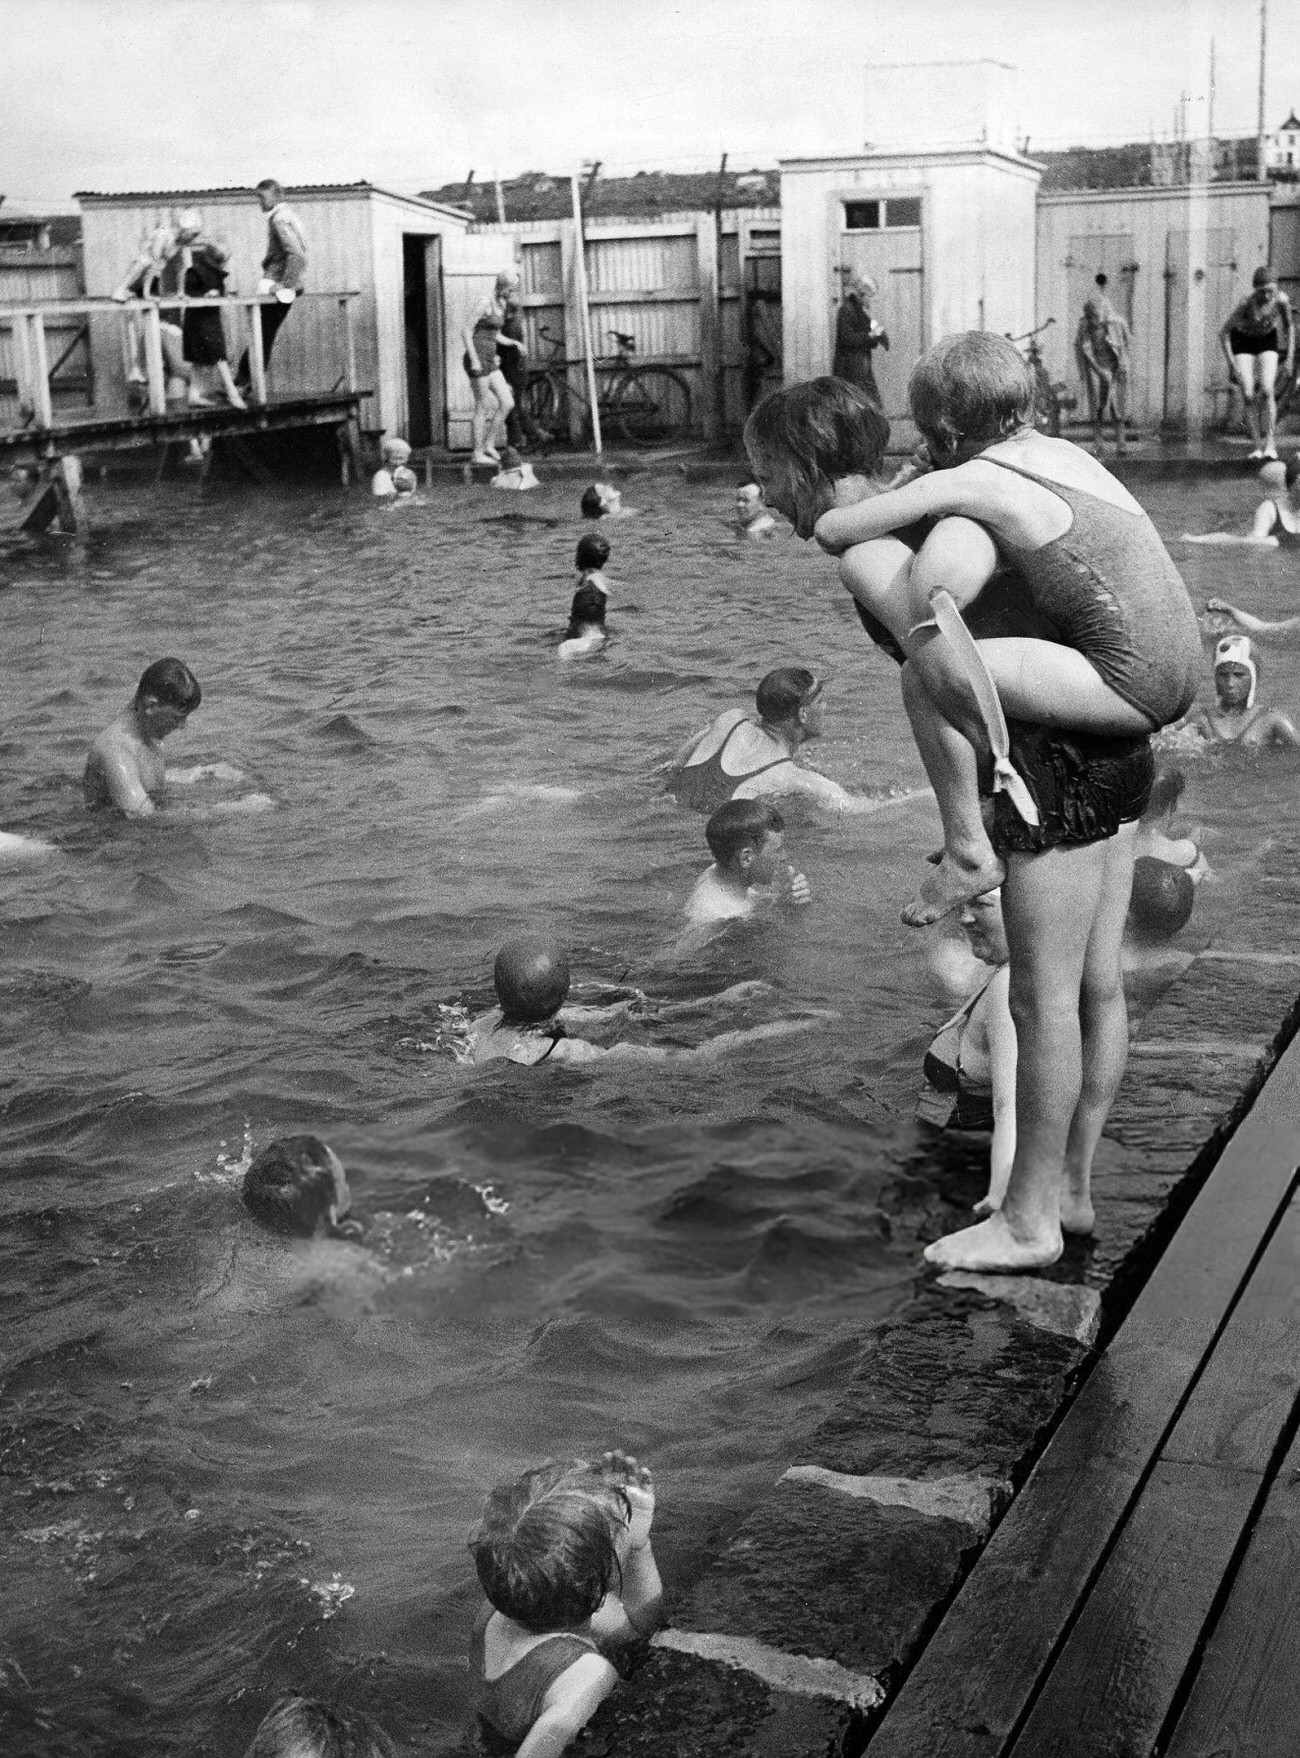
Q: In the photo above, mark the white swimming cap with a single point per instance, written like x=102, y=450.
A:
x=1239, y=650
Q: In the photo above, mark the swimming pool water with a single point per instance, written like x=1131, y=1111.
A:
x=232, y=1466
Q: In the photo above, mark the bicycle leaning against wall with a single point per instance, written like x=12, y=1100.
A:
x=1052, y=399
x=640, y=404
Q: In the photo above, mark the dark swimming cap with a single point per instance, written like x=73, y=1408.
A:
x=297, y=1185
x=1162, y=898
x=531, y=975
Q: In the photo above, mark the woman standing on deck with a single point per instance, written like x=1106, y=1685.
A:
x=1256, y=332
x=857, y=334
x=482, y=335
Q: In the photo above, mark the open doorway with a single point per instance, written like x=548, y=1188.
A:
x=426, y=413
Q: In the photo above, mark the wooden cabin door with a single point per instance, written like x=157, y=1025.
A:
x=422, y=335
x=874, y=242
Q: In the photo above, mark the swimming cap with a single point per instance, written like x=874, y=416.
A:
x=531, y=975
x=297, y=1185
x=1239, y=650
x=396, y=451
x=1273, y=474
x=1162, y=897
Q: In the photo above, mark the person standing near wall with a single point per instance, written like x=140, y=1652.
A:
x=284, y=268
x=1101, y=347
x=1257, y=331
x=857, y=335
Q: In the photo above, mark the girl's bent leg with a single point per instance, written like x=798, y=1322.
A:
x=968, y=867
x=1049, y=904
x=1103, y=1017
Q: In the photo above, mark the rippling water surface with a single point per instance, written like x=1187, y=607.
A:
x=232, y=1465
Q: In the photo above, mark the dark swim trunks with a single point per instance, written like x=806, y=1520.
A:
x=1084, y=785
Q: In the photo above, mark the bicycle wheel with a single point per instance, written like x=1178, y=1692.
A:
x=650, y=407
x=540, y=403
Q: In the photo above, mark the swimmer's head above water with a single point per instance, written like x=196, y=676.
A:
x=302, y=1727
x=601, y=501
x=1162, y=898
x=791, y=696
x=166, y=696
x=297, y=1186
x=592, y=552
x=969, y=391
x=747, y=840
x=1236, y=671
x=531, y=976
x=806, y=440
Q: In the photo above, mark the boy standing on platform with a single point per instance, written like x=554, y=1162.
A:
x=284, y=267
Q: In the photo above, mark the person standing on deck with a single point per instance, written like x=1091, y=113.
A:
x=1257, y=332
x=1101, y=347
x=284, y=268
x=857, y=334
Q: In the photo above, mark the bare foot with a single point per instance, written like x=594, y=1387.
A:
x=1077, y=1213
x=993, y=1245
x=235, y=400
x=950, y=886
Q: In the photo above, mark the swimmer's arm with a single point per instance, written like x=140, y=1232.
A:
x=966, y=490
x=958, y=557
x=579, y=1050
x=568, y=1706
x=827, y=794
x=1261, y=530
x=1244, y=619
x=121, y=779
x=1281, y=730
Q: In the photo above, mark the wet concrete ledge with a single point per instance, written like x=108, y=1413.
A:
x=791, y=1642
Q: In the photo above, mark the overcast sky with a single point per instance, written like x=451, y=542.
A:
x=166, y=94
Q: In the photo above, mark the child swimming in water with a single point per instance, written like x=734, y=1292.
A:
x=1236, y=717
x=747, y=841
x=394, y=480
x=531, y=977
x=297, y=1186
x=125, y=767
x=565, y=1561
x=1276, y=524
x=586, y=632
x=303, y=1727
x=752, y=517
x=603, y=501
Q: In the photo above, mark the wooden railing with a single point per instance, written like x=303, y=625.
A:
x=32, y=355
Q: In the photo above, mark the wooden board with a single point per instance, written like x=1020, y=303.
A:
x=1244, y=1697
x=980, y=1672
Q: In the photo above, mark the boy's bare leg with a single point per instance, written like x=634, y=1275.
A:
x=968, y=867
x=1049, y=904
x=1104, y=1020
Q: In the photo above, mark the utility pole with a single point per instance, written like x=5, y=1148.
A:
x=1261, y=170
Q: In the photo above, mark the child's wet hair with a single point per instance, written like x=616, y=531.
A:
x=969, y=391
x=303, y=1727
x=592, y=551
x=171, y=684
x=544, y=1547
x=1162, y=898
x=740, y=824
x=591, y=505
x=296, y=1186
x=784, y=691
x=1293, y=470
x=531, y=976
x=816, y=433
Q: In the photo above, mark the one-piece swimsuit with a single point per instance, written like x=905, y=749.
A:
x=509, y=1704
x=1112, y=591
x=484, y=338
x=953, y=1100
x=703, y=787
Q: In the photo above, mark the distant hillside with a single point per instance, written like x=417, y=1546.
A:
x=539, y=196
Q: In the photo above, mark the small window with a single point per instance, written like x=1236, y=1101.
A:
x=903, y=211
x=862, y=216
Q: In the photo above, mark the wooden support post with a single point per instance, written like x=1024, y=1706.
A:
x=58, y=497
x=572, y=325
x=154, y=367
x=349, y=345
x=256, y=358
x=706, y=234
x=23, y=364
x=40, y=372
x=348, y=435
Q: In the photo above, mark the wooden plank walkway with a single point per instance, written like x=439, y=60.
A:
x=1139, y=1594
x=74, y=432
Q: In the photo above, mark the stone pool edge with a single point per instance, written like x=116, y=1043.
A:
x=796, y=1636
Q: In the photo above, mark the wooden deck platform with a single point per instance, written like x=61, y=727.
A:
x=77, y=432
x=1139, y=1596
